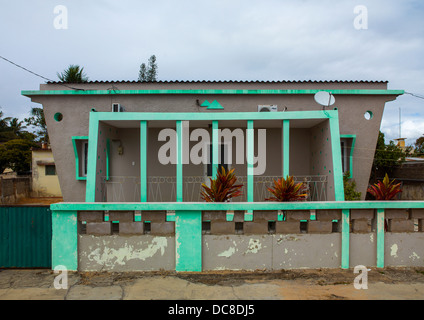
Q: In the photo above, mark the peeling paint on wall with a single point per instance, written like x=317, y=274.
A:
x=394, y=250
x=414, y=256
x=110, y=256
x=227, y=253
x=254, y=246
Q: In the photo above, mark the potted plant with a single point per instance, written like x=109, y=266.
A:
x=286, y=190
x=387, y=190
x=222, y=188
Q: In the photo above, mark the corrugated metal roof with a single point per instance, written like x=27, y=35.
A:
x=229, y=81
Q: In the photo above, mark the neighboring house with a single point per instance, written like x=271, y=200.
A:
x=302, y=139
x=45, y=181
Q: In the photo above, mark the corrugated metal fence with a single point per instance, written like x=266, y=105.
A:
x=25, y=237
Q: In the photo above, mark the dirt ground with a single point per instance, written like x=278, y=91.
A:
x=323, y=277
x=38, y=201
x=324, y=284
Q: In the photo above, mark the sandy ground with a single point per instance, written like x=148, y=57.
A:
x=324, y=284
x=38, y=201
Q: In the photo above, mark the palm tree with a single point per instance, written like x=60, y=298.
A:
x=74, y=74
x=16, y=126
x=38, y=120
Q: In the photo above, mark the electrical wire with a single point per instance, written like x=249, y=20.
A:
x=415, y=95
x=38, y=75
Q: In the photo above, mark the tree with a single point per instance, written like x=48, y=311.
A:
x=17, y=127
x=350, y=188
x=386, y=158
x=419, y=147
x=16, y=154
x=74, y=74
x=38, y=120
x=142, y=76
x=150, y=72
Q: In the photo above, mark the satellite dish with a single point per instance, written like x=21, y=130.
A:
x=324, y=98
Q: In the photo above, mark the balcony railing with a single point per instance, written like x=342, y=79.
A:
x=163, y=188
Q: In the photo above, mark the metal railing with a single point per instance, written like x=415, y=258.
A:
x=163, y=188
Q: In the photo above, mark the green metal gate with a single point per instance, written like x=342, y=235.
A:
x=25, y=237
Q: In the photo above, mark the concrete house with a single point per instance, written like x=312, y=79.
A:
x=131, y=157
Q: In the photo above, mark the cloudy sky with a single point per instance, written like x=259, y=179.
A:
x=220, y=40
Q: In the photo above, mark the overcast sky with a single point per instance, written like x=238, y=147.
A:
x=220, y=40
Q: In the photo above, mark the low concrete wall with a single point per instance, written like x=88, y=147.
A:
x=13, y=189
x=117, y=242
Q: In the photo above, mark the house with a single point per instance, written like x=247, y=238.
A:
x=131, y=158
x=45, y=182
x=297, y=137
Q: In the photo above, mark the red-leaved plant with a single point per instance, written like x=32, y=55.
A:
x=385, y=190
x=285, y=190
x=222, y=188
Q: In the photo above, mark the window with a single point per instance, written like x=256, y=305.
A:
x=347, y=145
x=50, y=170
x=84, y=158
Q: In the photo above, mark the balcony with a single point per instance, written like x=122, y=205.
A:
x=163, y=188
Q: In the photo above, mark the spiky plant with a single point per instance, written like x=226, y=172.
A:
x=385, y=190
x=74, y=74
x=285, y=190
x=222, y=188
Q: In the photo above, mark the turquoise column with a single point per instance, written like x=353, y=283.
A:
x=65, y=240
x=250, y=170
x=286, y=148
x=188, y=224
x=93, y=137
x=188, y=241
x=143, y=161
x=380, y=238
x=337, y=158
x=179, y=179
x=215, y=148
x=345, y=238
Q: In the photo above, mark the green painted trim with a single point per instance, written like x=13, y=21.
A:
x=74, y=144
x=93, y=138
x=345, y=238
x=337, y=158
x=210, y=116
x=188, y=241
x=250, y=153
x=143, y=161
x=30, y=93
x=107, y=159
x=380, y=238
x=179, y=174
x=215, y=105
x=215, y=148
x=65, y=240
x=239, y=206
x=286, y=148
x=205, y=103
x=353, y=137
